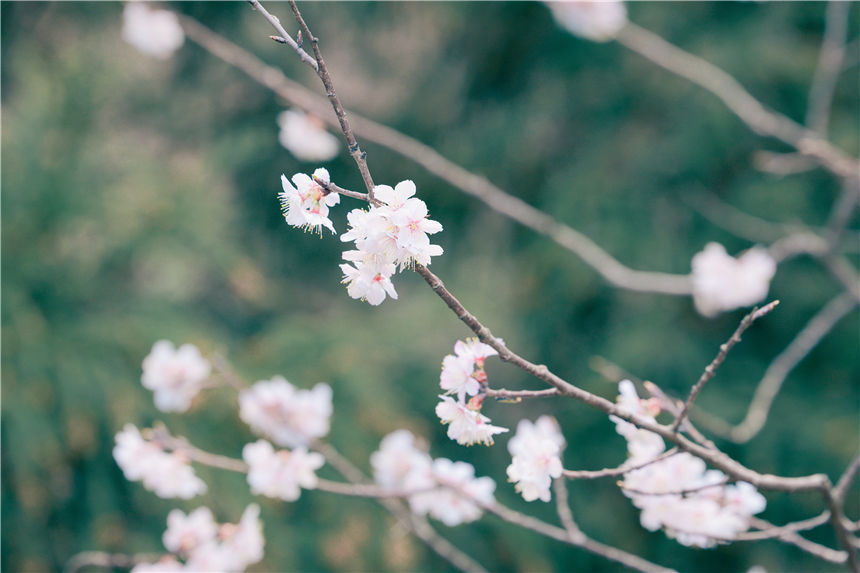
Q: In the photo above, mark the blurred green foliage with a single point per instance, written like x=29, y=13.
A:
x=139, y=203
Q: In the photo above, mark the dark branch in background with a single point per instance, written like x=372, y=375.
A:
x=829, y=67
x=760, y=119
x=711, y=369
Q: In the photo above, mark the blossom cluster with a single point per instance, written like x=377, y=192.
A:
x=536, y=457
x=391, y=234
x=153, y=31
x=722, y=282
x=204, y=545
x=288, y=416
x=175, y=375
x=280, y=474
x=167, y=474
x=446, y=490
x=463, y=374
x=678, y=493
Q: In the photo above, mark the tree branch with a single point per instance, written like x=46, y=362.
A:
x=760, y=119
x=711, y=369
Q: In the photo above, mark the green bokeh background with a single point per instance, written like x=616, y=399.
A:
x=139, y=203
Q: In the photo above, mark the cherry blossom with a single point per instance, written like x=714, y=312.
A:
x=598, y=20
x=305, y=136
x=207, y=546
x=290, y=417
x=455, y=502
x=678, y=493
x=176, y=376
x=154, y=32
x=391, y=234
x=307, y=204
x=401, y=464
x=457, y=377
x=185, y=533
x=369, y=279
x=722, y=282
x=280, y=474
x=475, y=350
x=465, y=425
x=536, y=457
x=165, y=474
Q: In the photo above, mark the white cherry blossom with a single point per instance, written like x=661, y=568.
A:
x=369, y=279
x=401, y=464
x=305, y=136
x=598, y=20
x=307, y=204
x=678, y=493
x=167, y=564
x=280, y=474
x=465, y=425
x=536, y=457
x=175, y=375
x=290, y=417
x=475, y=350
x=185, y=533
x=456, y=376
x=165, y=474
x=455, y=502
x=722, y=282
x=153, y=31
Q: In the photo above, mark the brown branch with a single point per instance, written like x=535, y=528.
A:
x=711, y=369
x=322, y=71
x=769, y=530
x=518, y=395
x=770, y=384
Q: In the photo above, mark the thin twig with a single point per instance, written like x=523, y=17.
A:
x=711, y=369
x=696, y=489
x=769, y=530
x=284, y=35
x=770, y=384
x=845, y=481
x=829, y=66
x=794, y=538
x=565, y=515
x=612, y=472
x=760, y=119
